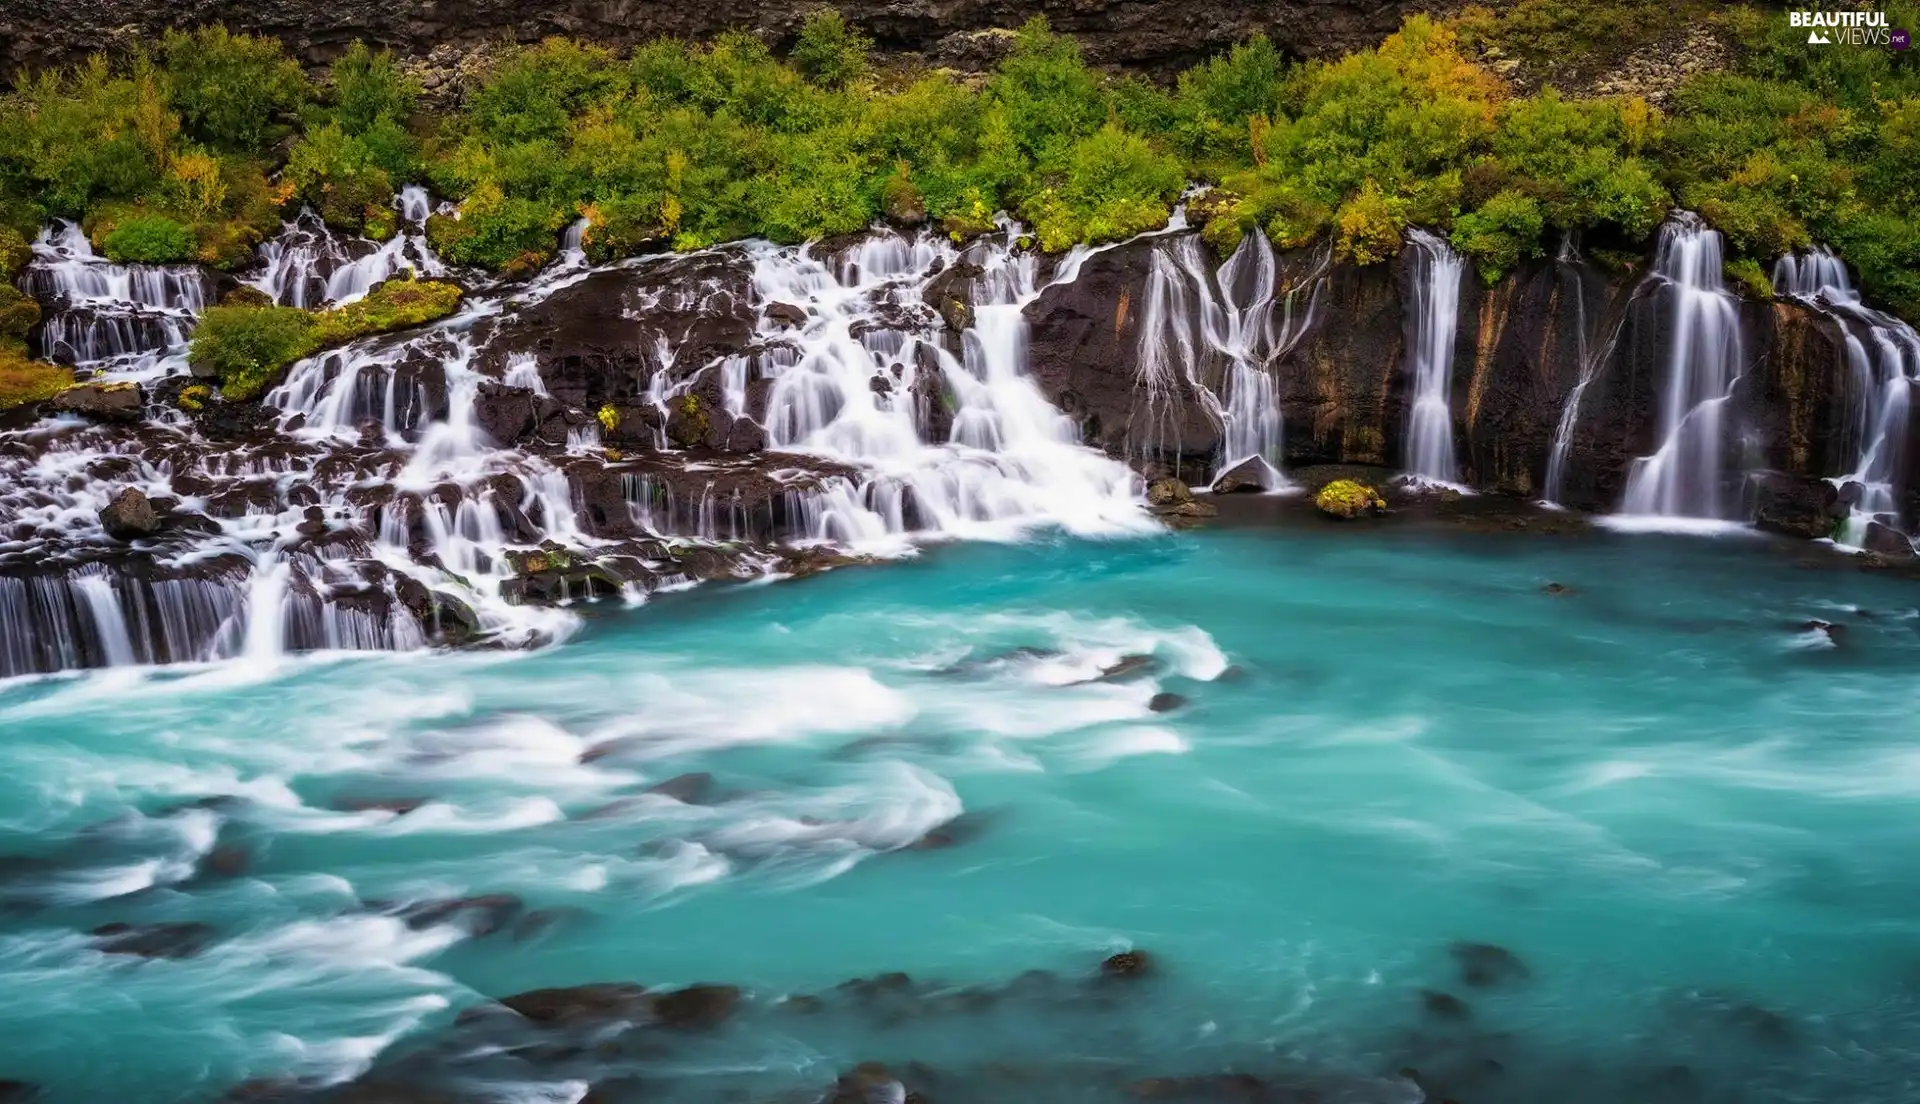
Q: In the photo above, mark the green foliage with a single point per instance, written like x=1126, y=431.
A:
x=1050, y=97
x=341, y=176
x=1347, y=498
x=829, y=52
x=1505, y=229
x=1746, y=274
x=1577, y=38
x=229, y=89
x=18, y=313
x=1370, y=226
x=150, y=239
x=367, y=88
x=24, y=381
x=1116, y=185
x=1219, y=99
x=247, y=347
x=14, y=253
x=494, y=230
x=1582, y=160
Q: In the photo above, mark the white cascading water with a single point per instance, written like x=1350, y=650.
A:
x=134, y=319
x=309, y=265
x=1883, y=359
x=1239, y=317
x=1682, y=480
x=1437, y=271
x=848, y=393
x=380, y=478
x=1592, y=358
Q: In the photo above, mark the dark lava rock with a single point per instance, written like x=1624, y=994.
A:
x=1484, y=964
x=482, y=915
x=1887, y=541
x=575, y=1005
x=107, y=402
x=787, y=314
x=177, y=940
x=697, y=1007
x=1443, y=1006
x=689, y=789
x=951, y=294
x=130, y=516
x=1127, y=964
x=1796, y=506
x=1243, y=478
x=1166, y=703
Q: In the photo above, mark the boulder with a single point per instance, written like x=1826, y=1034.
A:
x=1164, y=702
x=950, y=294
x=786, y=314
x=1168, y=492
x=1249, y=476
x=130, y=516
x=691, y=789
x=1346, y=498
x=1885, y=540
x=480, y=916
x=1127, y=965
x=106, y=402
x=697, y=1007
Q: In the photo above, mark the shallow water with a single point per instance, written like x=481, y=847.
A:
x=1689, y=819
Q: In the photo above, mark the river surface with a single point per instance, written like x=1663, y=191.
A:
x=1687, y=823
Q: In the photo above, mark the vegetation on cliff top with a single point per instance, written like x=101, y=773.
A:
x=247, y=346
x=166, y=155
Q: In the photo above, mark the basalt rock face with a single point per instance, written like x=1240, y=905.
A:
x=1158, y=35
x=1522, y=350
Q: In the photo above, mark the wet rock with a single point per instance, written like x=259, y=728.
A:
x=1485, y=964
x=1443, y=1006
x=1795, y=506
x=1247, y=477
x=480, y=916
x=950, y=294
x=106, y=402
x=173, y=940
x=697, y=1007
x=746, y=435
x=1127, y=965
x=538, y=922
x=691, y=789
x=130, y=516
x=1207, y=1087
x=1885, y=540
x=786, y=314
x=1164, y=702
x=578, y=1005
x=506, y=414
x=18, y=1092
x=961, y=829
x=1556, y=590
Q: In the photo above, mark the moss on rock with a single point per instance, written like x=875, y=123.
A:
x=1347, y=498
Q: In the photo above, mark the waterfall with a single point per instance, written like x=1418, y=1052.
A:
x=1683, y=478
x=1237, y=318
x=1437, y=270
x=1592, y=359
x=133, y=319
x=1883, y=358
x=308, y=265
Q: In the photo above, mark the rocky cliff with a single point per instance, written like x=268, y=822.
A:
x=1160, y=35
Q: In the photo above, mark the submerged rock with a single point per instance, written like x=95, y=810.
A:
x=1128, y=667
x=1485, y=964
x=1831, y=631
x=697, y=1007
x=481, y=916
x=577, y=1005
x=1443, y=1006
x=690, y=789
x=1556, y=590
x=1164, y=702
x=172, y=940
x=1127, y=965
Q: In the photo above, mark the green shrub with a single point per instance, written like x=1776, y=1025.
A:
x=247, y=347
x=493, y=230
x=18, y=313
x=1116, y=185
x=338, y=174
x=149, y=239
x=1218, y=99
x=368, y=89
x=229, y=89
x=1505, y=229
x=829, y=52
x=14, y=253
x=1050, y=97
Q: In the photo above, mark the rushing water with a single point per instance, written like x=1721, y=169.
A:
x=1434, y=319
x=1689, y=819
x=1682, y=479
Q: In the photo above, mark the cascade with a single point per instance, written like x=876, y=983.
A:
x=1437, y=271
x=1683, y=478
x=1592, y=357
x=1215, y=336
x=309, y=265
x=379, y=503
x=132, y=318
x=1883, y=358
